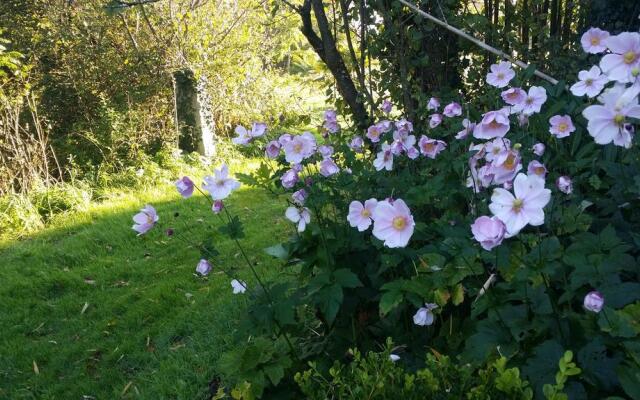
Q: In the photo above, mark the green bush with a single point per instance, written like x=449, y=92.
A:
x=376, y=376
x=60, y=198
x=18, y=216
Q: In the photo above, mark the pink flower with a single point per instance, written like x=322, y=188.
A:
x=523, y=119
x=356, y=144
x=525, y=207
x=591, y=83
x=500, y=75
x=299, y=197
x=386, y=106
x=360, y=216
x=488, y=231
x=272, y=150
x=145, y=220
x=244, y=137
x=220, y=185
x=468, y=128
x=435, y=120
x=431, y=147
x=300, y=216
x=594, y=40
x=331, y=121
x=496, y=147
x=594, y=301
x=404, y=127
x=328, y=167
x=299, y=148
x=624, y=57
x=424, y=315
x=217, y=206
x=385, y=126
x=284, y=138
x=289, y=178
x=325, y=151
x=405, y=140
x=238, y=286
x=606, y=122
x=203, y=267
x=452, y=110
x=532, y=104
x=384, y=158
x=538, y=149
x=561, y=126
x=185, y=187
x=373, y=133
x=564, y=184
x=505, y=166
x=535, y=167
x=494, y=124
x=393, y=223
x=513, y=96
x=433, y=104
x=413, y=153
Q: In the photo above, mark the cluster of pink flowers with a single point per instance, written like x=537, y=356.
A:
x=245, y=137
x=608, y=122
x=331, y=121
x=392, y=220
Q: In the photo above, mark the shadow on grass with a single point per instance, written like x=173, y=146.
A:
x=89, y=309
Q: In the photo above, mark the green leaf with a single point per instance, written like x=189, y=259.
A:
x=275, y=372
x=233, y=229
x=599, y=368
x=616, y=323
x=330, y=300
x=389, y=301
x=629, y=376
x=458, y=295
x=541, y=368
x=277, y=251
x=346, y=278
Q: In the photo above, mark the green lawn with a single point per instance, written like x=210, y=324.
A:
x=89, y=309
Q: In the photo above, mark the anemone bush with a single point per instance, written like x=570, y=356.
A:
x=507, y=230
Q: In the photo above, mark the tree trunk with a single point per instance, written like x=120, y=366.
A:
x=325, y=46
x=195, y=130
x=566, y=21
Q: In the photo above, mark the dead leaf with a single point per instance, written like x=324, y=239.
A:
x=35, y=368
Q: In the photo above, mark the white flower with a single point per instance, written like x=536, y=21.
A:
x=525, y=207
x=300, y=216
x=238, y=286
x=424, y=316
x=220, y=185
x=591, y=83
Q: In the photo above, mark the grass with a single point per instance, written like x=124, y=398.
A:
x=89, y=309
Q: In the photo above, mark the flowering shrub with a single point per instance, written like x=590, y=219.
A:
x=439, y=236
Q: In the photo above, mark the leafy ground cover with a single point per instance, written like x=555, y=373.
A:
x=90, y=310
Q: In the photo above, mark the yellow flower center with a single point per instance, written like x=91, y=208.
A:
x=297, y=147
x=562, y=126
x=629, y=57
x=588, y=82
x=618, y=119
x=365, y=213
x=539, y=170
x=529, y=100
x=517, y=205
x=510, y=162
x=500, y=75
x=399, y=223
x=494, y=125
x=595, y=41
x=429, y=147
